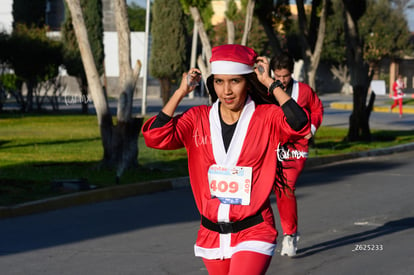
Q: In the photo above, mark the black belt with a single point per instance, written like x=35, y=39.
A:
x=231, y=227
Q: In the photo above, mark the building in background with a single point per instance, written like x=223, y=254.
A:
x=6, y=16
x=54, y=17
x=111, y=51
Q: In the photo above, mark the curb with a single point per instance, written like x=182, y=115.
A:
x=381, y=108
x=329, y=160
x=130, y=190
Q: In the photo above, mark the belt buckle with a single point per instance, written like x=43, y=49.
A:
x=225, y=227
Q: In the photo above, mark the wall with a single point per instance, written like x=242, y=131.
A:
x=6, y=17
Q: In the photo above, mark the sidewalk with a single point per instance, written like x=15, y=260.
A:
x=332, y=103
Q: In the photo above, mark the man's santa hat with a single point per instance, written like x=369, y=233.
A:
x=232, y=59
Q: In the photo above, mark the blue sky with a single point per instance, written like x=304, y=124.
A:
x=142, y=3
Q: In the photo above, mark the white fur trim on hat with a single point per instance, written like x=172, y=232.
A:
x=229, y=67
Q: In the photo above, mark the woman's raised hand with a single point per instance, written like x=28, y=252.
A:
x=190, y=80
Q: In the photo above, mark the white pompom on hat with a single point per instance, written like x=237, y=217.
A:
x=232, y=59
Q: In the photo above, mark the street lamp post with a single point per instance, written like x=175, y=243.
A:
x=145, y=73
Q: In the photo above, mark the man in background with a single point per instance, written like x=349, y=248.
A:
x=293, y=155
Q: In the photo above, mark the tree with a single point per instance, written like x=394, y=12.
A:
x=34, y=58
x=92, y=11
x=383, y=38
x=29, y=42
x=125, y=135
x=231, y=12
x=30, y=13
x=257, y=37
x=312, y=36
x=9, y=83
x=359, y=36
x=136, y=16
x=359, y=69
x=168, y=50
x=270, y=16
x=120, y=141
x=334, y=49
x=364, y=53
x=230, y=15
x=249, y=20
x=194, y=7
x=202, y=21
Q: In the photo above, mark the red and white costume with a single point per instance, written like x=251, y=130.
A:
x=398, y=88
x=258, y=133
x=308, y=100
x=295, y=153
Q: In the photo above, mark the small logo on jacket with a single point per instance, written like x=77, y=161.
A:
x=284, y=153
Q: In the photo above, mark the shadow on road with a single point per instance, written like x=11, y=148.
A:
x=388, y=228
x=341, y=171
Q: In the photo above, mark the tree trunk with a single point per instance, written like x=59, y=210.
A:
x=265, y=18
x=125, y=145
x=312, y=77
x=304, y=39
x=85, y=100
x=312, y=47
x=126, y=81
x=165, y=89
x=126, y=132
x=120, y=142
x=92, y=76
x=248, y=21
x=317, y=51
x=203, y=63
x=83, y=86
x=341, y=73
x=29, y=99
x=230, y=27
x=124, y=49
x=358, y=121
x=360, y=78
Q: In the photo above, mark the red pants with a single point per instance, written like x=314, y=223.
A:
x=286, y=200
x=399, y=102
x=241, y=263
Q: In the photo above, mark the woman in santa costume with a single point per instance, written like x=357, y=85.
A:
x=231, y=149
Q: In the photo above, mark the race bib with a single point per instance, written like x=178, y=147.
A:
x=231, y=185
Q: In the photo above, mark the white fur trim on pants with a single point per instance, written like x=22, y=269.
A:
x=217, y=253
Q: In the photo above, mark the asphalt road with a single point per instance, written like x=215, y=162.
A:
x=377, y=120
x=355, y=217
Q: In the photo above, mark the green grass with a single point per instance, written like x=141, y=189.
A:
x=38, y=149
x=330, y=141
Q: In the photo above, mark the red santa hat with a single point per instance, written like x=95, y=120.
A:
x=232, y=59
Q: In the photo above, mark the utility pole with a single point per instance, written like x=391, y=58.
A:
x=145, y=75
